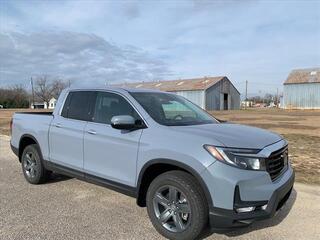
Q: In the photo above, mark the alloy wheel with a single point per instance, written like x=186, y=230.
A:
x=172, y=208
x=30, y=165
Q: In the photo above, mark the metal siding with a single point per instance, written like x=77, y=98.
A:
x=213, y=97
x=303, y=96
x=196, y=96
x=235, y=98
x=215, y=93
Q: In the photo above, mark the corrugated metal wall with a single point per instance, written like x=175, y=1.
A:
x=196, y=97
x=214, y=96
x=303, y=96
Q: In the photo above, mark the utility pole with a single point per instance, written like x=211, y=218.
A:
x=32, y=92
x=277, y=102
x=246, y=99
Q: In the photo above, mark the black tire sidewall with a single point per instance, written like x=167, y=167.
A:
x=196, y=202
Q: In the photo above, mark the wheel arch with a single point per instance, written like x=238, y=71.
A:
x=155, y=167
x=26, y=140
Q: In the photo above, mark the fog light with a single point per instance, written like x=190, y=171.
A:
x=245, y=209
x=264, y=207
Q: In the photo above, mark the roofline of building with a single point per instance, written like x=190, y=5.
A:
x=233, y=85
x=177, y=80
x=299, y=83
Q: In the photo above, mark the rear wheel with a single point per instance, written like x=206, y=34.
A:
x=32, y=165
x=176, y=205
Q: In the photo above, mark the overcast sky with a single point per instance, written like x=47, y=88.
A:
x=91, y=42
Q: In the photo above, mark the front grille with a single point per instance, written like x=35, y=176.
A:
x=276, y=162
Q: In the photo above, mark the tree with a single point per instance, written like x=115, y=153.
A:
x=46, y=89
x=58, y=85
x=14, y=97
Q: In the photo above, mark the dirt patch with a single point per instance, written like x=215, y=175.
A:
x=304, y=155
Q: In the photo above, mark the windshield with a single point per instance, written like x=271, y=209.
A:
x=172, y=110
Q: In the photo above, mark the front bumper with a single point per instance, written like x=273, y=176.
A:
x=225, y=219
x=232, y=188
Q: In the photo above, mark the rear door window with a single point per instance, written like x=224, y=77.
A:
x=78, y=105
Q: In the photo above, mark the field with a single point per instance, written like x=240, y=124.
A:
x=300, y=128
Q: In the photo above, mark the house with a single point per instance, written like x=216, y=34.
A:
x=247, y=103
x=302, y=89
x=44, y=105
x=210, y=93
x=39, y=105
x=52, y=103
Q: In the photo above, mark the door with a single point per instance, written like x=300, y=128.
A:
x=111, y=153
x=225, y=101
x=67, y=130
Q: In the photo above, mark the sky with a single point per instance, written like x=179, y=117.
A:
x=106, y=42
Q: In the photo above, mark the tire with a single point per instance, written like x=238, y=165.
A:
x=32, y=165
x=188, y=216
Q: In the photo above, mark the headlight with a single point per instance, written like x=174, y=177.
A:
x=242, y=158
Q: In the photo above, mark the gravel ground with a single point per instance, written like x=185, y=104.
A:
x=68, y=208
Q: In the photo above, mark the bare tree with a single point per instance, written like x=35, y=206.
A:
x=46, y=89
x=57, y=87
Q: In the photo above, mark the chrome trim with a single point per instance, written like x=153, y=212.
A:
x=266, y=152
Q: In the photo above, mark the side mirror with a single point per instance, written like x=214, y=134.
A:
x=125, y=122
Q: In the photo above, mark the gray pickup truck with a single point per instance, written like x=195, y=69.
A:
x=189, y=169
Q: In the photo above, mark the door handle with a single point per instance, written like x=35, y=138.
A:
x=58, y=125
x=93, y=132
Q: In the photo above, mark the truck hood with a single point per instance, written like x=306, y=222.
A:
x=233, y=135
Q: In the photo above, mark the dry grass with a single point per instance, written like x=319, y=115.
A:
x=300, y=128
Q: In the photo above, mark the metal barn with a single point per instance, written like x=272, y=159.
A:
x=210, y=93
x=302, y=89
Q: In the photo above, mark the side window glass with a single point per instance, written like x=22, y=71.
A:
x=109, y=105
x=77, y=105
x=66, y=105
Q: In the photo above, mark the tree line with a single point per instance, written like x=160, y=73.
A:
x=43, y=90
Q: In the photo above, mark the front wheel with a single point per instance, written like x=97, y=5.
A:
x=176, y=205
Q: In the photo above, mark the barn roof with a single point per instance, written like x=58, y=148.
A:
x=310, y=75
x=177, y=85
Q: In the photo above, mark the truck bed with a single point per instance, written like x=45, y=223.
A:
x=35, y=124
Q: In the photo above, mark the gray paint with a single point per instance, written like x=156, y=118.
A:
x=302, y=96
x=253, y=185
x=214, y=96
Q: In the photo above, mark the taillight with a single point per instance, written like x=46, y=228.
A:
x=11, y=122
